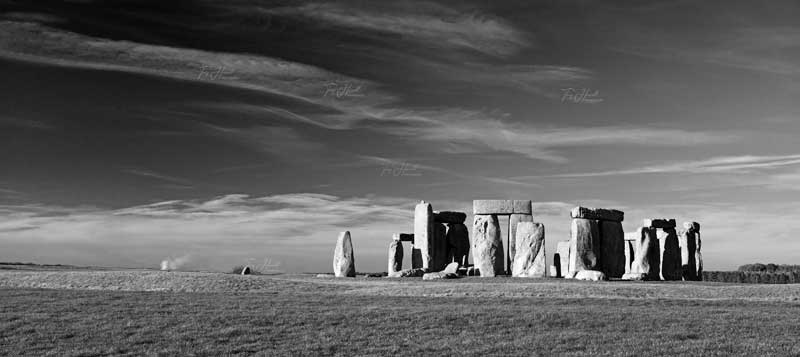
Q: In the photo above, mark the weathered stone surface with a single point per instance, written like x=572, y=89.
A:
x=487, y=245
x=691, y=226
x=458, y=243
x=246, y=271
x=633, y=276
x=344, y=263
x=630, y=251
x=522, y=207
x=424, y=233
x=530, y=258
x=451, y=268
x=325, y=276
x=513, y=220
x=449, y=217
x=416, y=258
x=407, y=273
x=561, y=258
x=554, y=272
x=646, y=261
x=659, y=223
x=439, y=246
x=686, y=241
x=597, y=214
x=395, y=256
x=591, y=275
x=698, y=257
x=670, y=254
x=612, y=248
x=439, y=275
x=584, y=245
x=492, y=206
x=570, y=275
x=403, y=237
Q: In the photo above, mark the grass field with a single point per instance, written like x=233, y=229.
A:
x=179, y=313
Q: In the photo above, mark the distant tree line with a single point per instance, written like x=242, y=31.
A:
x=753, y=277
x=770, y=268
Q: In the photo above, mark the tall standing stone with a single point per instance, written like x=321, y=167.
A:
x=530, y=258
x=344, y=263
x=584, y=245
x=513, y=220
x=687, y=242
x=561, y=258
x=670, y=255
x=424, y=233
x=694, y=227
x=487, y=245
x=458, y=243
x=395, y=256
x=630, y=251
x=646, y=260
x=439, y=246
x=612, y=247
x=416, y=258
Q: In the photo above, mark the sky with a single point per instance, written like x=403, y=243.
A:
x=253, y=132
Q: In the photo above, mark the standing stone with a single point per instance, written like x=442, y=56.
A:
x=416, y=258
x=344, y=263
x=584, y=245
x=246, y=270
x=687, y=242
x=513, y=220
x=487, y=245
x=529, y=261
x=670, y=255
x=612, y=247
x=458, y=243
x=439, y=246
x=561, y=258
x=698, y=257
x=630, y=251
x=424, y=233
x=395, y=256
x=646, y=260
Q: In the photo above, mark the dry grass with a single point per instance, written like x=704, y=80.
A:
x=223, y=314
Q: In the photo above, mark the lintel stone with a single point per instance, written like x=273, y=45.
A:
x=598, y=214
x=659, y=223
x=501, y=206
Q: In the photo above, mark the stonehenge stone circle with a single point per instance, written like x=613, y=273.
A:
x=584, y=245
x=670, y=255
x=403, y=237
x=344, y=263
x=513, y=220
x=561, y=258
x=487, y=246
x=439, y=246
x=529, y=261
x=458, y=243
x=449, y=217
x=424, y=233
x=395, y=256
x=612, y=247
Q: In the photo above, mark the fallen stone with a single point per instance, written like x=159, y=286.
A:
x=530, y=258
x=513, y=220
x=344, y=263
x=561, y=258
x=449, y=217
x=395, y=256
x=458, y=243
x=686, y=241
x=584, y=250
x=325, y=276
x=659, y=223
x=646, y=259
x=439, y=246
x=591, y=275
x=492, y=207
x=612, y=248
x=424, y=233
x=691, y=226
x=487, y=246
x=670, y=255
x=633, y=276
x=246, y=270
x=403, y=237
x=439, y=275
x=597, y=214
x=408, y=273
x=451, y=268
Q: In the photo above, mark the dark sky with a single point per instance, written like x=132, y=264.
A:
x=239, y=131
